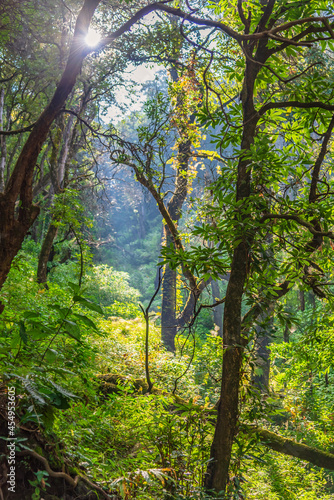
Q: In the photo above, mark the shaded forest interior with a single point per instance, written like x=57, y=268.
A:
x=166, y=250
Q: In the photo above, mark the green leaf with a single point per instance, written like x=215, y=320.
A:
x=31, y=314
x=74, y=287
x=23, y=333
x=51, y=355
x=72, y=326
x=88, y=303
x=88, y=322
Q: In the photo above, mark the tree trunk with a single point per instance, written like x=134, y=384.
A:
x=174, y=206
x=217, y=472
x=286, y=335
x=311, y=298
x=261, y=380
x=221, y=449
x=3, y=151
x=168, y=306
x=43, y=259
x=289, y=447
x=301, y=300
x=218, y=310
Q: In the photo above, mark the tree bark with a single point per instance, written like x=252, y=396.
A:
x=289, y=447
x=221, y=449
x=168, y=306
x=261, y=380
x=301, y=294
x=3, y=151
x=218, y=310
x=286, y=335
x=44, y=255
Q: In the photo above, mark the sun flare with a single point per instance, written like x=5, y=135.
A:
x=92, y=38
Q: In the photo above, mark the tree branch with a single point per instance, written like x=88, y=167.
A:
x=295, y=104
x=299, y=221
x=19, y=131
x=319, y=160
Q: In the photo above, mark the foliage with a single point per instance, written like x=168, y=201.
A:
x=260, y=85
x=107, y=286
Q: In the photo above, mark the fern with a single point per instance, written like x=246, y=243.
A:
x=61, y=390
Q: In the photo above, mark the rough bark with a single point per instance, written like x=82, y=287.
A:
x=301, y=294
x=221, y=449
x=168, y=305
x=3, y=151
x=262, y=354
x=289, y=447
x=42, y=269
x=62, y=152
x=218, y=310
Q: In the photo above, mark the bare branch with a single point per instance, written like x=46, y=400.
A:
x=319, y=160
x=19, y=131
x=295, y=104
x=299, y=221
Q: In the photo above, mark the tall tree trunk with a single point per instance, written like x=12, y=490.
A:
x=262, y=354
x=3, y=151
x=218, y=310
x=168, y=306
x=221, y=450
x=286, y=335
x=311, y=298
x=43, y=259
x=62, y=153
x=301, y=294
x=174, y=206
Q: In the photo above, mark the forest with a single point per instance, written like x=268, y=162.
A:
x=166, y=248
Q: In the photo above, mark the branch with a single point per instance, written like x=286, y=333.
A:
x=319, y=160
x=19, y=131
x=146, y=182
x=161, y=6
x=242, y=16
x=190, y=307
x=295, y=104
x=62, y=475
x=299, y=221
x=266, y=15
x=290, y=24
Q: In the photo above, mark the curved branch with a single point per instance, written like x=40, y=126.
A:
x=59, y=475
x=62, y=475
x=19, y=131
x=299, y=221
x=295, y=104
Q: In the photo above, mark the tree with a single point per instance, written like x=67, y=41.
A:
x=254, y=56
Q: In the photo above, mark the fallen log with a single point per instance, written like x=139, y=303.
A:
x=290, y=447
x=111, y=383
